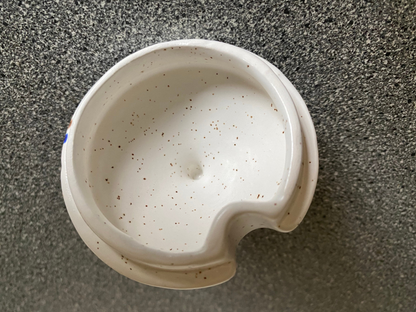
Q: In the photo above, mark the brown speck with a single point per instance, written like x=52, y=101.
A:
x=144, y=178
x=258, y=196
x=118, y=197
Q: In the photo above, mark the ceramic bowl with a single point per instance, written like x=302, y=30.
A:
x=179, y=151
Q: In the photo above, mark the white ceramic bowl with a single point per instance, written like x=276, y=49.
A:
x=180, y=150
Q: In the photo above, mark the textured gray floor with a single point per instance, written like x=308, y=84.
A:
x=353, y=62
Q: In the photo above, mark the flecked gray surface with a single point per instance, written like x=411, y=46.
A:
x=354, y=62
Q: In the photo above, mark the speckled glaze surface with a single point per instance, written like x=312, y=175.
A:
x=352, y=61
x=179, y=151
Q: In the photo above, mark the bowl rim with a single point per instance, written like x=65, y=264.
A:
x=212, y=252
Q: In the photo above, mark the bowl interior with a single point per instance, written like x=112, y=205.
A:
x=173, y=137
